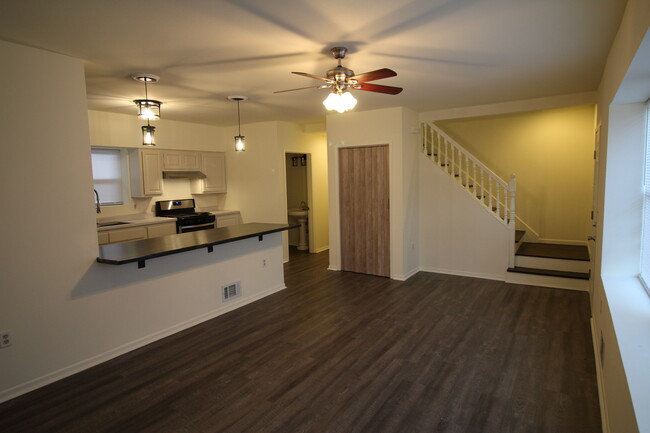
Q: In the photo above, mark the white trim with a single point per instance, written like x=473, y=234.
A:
x=604, y=419
x=321, y=249
x=404, y=277
x=496, y=277
x=128, y=347
x=333, y=268
x=552, y=282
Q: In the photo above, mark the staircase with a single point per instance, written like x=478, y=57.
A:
x=539, y=264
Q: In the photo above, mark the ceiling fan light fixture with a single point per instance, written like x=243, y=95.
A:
x=340, y=101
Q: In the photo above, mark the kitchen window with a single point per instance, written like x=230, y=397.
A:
x=110, y=174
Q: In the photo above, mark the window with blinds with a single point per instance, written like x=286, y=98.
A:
x=645, y=244
x=108, y=176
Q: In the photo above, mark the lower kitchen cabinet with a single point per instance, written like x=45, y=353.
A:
x=228, y=220
x=153, y=231
x=136, y=233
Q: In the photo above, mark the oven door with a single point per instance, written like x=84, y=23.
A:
x=195, y=228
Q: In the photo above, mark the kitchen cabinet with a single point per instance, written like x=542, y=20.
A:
x=146, y=172
x=156, y=230
x=136, y=233
x=228, y=220
x=128, y=234
x=102, y=237
x=213, y=165
x=181, y=160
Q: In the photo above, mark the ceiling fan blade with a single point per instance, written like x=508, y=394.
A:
x=304, y=74
x=379, y=89
x=374, y=75
x=300, y=88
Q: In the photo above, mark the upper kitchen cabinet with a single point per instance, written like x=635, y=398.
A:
x=213, y=165
x=181, y=160
x=146, y=172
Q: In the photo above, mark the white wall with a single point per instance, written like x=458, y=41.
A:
x=65, y=311
x=457, y=235
x=620, y=307
x=377, y=127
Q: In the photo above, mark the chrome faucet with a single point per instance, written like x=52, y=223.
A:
x=97, y=206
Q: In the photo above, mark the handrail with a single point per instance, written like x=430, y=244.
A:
x=495, y=194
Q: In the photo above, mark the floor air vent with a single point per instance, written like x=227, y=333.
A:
x=231, y=291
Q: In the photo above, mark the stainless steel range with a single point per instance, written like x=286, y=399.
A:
x=187, y=219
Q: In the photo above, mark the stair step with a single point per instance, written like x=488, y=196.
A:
x=554, y=251
x=519, y=234
x=550, y=273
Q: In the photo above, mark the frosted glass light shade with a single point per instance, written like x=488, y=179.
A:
x=340, y=102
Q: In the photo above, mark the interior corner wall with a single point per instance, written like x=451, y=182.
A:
x=622, y=413
x=67, y=312
x=551, y=153
x=367, y=128
x=294, y=140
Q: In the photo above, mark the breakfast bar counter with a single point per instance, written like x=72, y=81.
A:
x=139, y=251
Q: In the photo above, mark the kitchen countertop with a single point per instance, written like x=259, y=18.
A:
x=139, y=251
x=133, y=221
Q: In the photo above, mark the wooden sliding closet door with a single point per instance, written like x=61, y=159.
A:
x=364, y=209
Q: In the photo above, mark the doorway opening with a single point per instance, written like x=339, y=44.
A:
x=299, y=199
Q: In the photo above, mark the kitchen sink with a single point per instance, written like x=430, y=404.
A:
x=112, y=223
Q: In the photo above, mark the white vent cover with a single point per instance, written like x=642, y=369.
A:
x=231, y=291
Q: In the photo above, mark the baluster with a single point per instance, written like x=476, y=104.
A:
x=467, y=172
x=498, y=200
x=474, y=180
x=481, y=186
x=446, y=155
x=490, y=190
x=453, y=161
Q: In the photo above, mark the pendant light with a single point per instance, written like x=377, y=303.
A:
x=240, y=144
x=148, y=109
x=148, y=138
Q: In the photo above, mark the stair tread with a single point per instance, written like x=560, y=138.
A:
x=550, y=273
x=519, y=234
x=554, y=251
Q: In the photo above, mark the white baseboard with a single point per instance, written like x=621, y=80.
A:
x=321, y=249
x=497, y=277
x=46, y=379
x=404, y=277
x=333, y=268
x=604, y=419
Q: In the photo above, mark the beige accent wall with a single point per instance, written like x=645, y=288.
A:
x=551, y=153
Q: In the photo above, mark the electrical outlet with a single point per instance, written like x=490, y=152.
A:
x=263, y=263
x=5, y=339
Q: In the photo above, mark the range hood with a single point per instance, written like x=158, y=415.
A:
x=183, y=174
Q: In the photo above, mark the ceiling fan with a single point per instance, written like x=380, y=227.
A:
x=340, y=79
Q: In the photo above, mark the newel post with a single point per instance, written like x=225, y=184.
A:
x=512, y=216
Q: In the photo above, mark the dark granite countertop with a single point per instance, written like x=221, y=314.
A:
x=139, y=251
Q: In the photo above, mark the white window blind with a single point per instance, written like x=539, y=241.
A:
x=108, y=176
x=645, y=244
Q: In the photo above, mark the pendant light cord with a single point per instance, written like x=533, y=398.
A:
x=238, y=119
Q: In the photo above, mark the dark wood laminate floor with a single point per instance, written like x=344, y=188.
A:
x=344, y=352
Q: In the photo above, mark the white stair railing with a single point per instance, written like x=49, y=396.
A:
x=493, y=193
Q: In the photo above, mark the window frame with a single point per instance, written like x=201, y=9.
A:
x=124, y=173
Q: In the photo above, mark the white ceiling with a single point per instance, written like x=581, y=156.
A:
x=447, y=53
